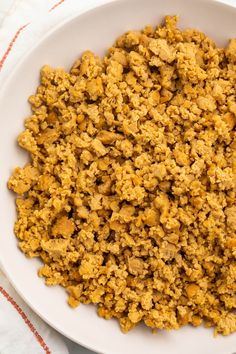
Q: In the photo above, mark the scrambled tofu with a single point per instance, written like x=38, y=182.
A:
x=129, y=197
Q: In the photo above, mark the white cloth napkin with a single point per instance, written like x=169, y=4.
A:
x=21, y=330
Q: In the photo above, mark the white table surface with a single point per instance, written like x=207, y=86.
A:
x=6, y=7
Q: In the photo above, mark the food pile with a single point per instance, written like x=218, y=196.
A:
x=129, y=196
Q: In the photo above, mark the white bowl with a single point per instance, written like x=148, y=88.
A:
x=95, y=30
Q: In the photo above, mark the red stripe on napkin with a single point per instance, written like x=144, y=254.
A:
x=9, y=48
x=56, y=5
x=26, y=320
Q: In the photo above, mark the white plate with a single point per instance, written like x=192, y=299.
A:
x=96, y=30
